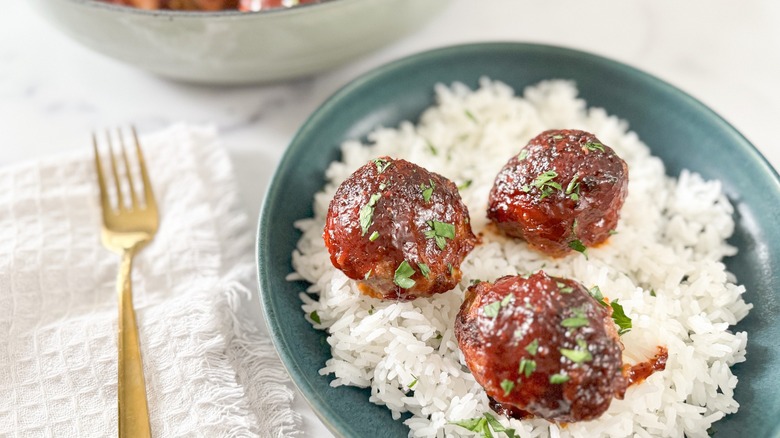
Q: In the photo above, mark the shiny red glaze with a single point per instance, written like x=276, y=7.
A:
x=400, y=217
x=548, y=224
x=639, y=372
x=495, y=346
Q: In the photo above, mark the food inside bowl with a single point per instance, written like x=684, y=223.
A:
x=532, y=342
x=211, y=5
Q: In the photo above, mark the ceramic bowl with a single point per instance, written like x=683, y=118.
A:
x=677, y=128
x=231, y=47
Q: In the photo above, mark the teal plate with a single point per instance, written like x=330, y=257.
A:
x=678, y=128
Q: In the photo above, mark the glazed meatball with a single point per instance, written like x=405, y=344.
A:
x=563, y=191
x=399, y=230
x=541, y=346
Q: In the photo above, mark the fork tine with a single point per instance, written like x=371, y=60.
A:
x=119, y=198
x=148, y=194
x=129, y=174
x=104, y=201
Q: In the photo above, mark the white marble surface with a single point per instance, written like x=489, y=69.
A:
x=54, y=92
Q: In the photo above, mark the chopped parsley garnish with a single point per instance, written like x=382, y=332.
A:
x=579, y=355
x=424, y=269
x=575, y=321
x=507, y=299
x=557, y=137
x=374, y=236
x=522, y=155
x=471, y=116
x=533, y=347
x=381, y=165
x=652, y=292
x=527, y=366
x=595, y=292
x=578, y=320
x=451, y=268
x=475, y=282
x=431, y=147
x=367, y=213
x=440, y=231
x=563, y=288
x=314, y=317
x=491, y=310
x=427, y=191
x=544, y=182
x=621, y=319
x=414, y=382
x=466, y=184
x=612, y=232
x=371, y=310
x=438, y=336
x=482, y=425
x=507, y=386
x=557, y=379
x=402, y=275
x=593, y=146
x=578, y=246
x=573, y=189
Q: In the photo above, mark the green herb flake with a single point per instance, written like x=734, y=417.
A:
x=575, y=322
x=466, y=184
x=368, y=274
x=518, y=333
x=438, y=336
x=427, y=191
x=522, y=155
x=621, y=319
x=315, y=317
x=414, y=382
x=544, y=182
x=557, y=137
x=612, y=232
x=578, y=246
x=507, y=386
x=381, y=165
x=482, y=425
x=402, y=275
x=526, y=367
x=573, y=189
x=431, y=147
x=371, y=310
x=491, y=310
x=579, y=355
x=562, y=288
x=451, y=268
x=652, y=292
x=367, y=213
x=507, y=299
x=471, y=116
x=382, y=186
x=533, y=347
x=595, y=292
x=424, y=269
x=557, y=379
x=593, y=146
x=373, y=236
x=439, y=232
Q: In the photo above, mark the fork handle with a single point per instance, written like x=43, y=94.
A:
x=133, y=410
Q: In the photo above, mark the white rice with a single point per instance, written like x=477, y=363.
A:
x=670, y=242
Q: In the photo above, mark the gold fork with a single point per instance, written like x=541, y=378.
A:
x=125, y=231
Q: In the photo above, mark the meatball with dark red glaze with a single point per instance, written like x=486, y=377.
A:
x=399, y=230
x=563, y=191
x=541, y=346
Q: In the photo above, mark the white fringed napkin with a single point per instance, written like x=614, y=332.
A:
x=209, y=370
